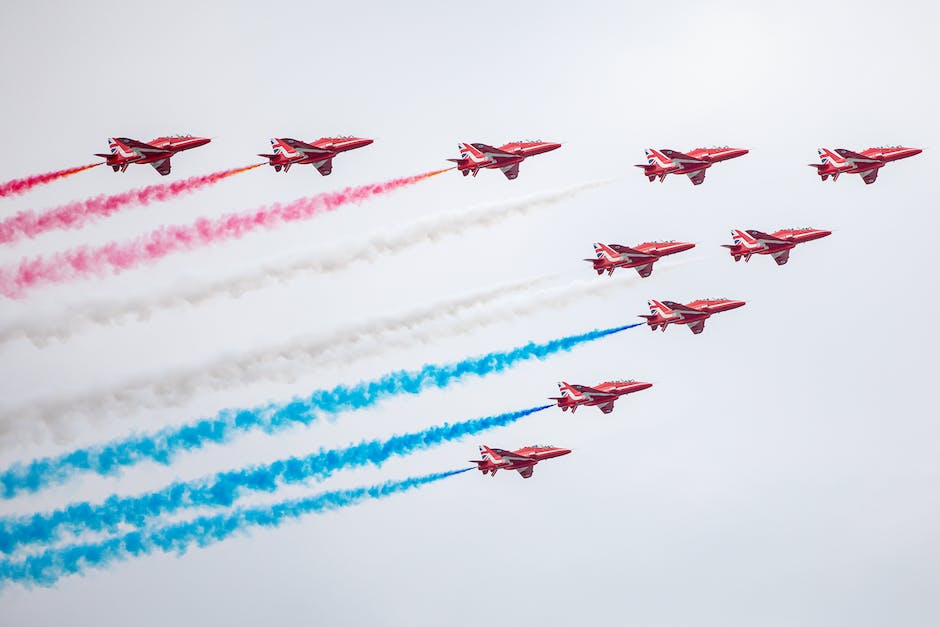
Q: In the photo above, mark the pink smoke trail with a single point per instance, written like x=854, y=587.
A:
x=76, y=214
x=117, y=257
x=21, y=186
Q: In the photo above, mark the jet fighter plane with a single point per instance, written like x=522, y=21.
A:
x=320, y=153
x=125, y=151
x=612, y=256
x=693, y=164
x=474, y=157
x=777, y=244
x=867, y=163
x=664, y=313
x=601, y=396
x=522, y=460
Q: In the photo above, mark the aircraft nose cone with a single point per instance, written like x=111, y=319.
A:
x=734, y=304
x=552, y=146
x=645, y=386
x=562, y=451
x=201, y=141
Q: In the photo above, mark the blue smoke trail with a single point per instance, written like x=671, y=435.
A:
x=51, y=565
x=223, y=489
x=164, y=445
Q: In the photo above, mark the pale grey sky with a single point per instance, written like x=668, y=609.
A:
x=783, y=469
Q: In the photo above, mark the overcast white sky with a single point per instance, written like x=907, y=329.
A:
x=782, y=471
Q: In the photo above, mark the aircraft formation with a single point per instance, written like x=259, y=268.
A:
x=286, y=152
x=476, y=156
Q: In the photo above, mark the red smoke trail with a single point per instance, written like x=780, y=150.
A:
x=21, y=186
x=77, y=214
x=118, y=257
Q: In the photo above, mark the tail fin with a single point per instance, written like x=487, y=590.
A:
x=659, y=309
x=656, y=158
x=566, y=390
x=488, y=454
x=826, y=156
x=603, y=251
x=282, y=147
x=659, y=315
x=118, y=147
x=471, y=153
x=742, y=237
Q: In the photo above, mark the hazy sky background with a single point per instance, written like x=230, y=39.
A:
x=782, y=471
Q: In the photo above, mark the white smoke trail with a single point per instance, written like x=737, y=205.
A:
x=285, y=362
x=432, y=228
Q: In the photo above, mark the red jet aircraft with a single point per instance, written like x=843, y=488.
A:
x=474, y=157
x=844, y=161
x=694, y=314
x=601, y=396
x=693, y=164
x=612, y=256
x=521, y=460
x=157, y=153
x=320, y=153
x=777, y=244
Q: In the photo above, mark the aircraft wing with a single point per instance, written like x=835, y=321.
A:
x=493, y=153
x=607, y=407
x=626, y=250
x=511, y=171
x=697, y=327
x=526, y=472
x=697, y=177
x=510, y=456
x=324, y=167
x=854, y=157
x=162, y=166
x=781, y=256
x=767, y=239
x=305, y=148
x=593, y=392
x=141, y=148
x=870, y=176
x=682, y=310
x=681, y=157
